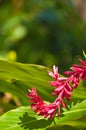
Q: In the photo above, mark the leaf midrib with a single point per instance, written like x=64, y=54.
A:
x=73, y=111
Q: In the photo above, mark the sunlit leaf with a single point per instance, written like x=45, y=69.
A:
x=23, y=77
x=24, y=118
x=73, y=117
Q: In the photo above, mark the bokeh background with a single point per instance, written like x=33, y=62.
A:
x=44, y=32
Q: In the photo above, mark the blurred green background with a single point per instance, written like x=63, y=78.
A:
x=44, y=32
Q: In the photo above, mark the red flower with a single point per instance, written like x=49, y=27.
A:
x=63, y=89
x=39, y=106
x=78, y=73
x=37, y=102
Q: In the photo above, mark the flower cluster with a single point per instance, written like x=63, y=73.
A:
x=63, y=89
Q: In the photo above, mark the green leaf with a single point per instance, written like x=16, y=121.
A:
x=84, y=54
x=23, y=77
x=19, y=71
x=80, y=91
x=73, y=117
x=22, y=118
x=14, y=90
x=64, y=128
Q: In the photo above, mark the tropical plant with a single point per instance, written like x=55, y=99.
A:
x=17, y=78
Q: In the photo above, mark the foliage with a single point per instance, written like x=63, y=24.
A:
x=24, y=118
x=17, y=78
x=41, y=32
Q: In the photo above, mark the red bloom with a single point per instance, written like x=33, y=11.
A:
x=37, y=102
x=63, y=89
x=46, y=110
x=78, y=73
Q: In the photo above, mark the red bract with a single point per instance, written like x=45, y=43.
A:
x=54, y=74
x=46, y=110
x=78, y=73
x=37, y=102
x=63, y=89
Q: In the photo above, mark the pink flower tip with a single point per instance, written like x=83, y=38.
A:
x=54, y=74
